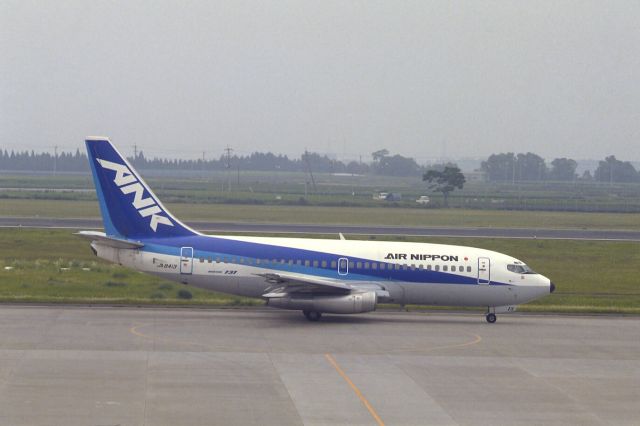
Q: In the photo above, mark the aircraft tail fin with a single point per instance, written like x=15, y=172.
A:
x=128, y=206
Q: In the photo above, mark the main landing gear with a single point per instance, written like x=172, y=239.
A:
x=491, y=317
x=312, y=315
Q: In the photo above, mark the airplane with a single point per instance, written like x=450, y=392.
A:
x=315, y=276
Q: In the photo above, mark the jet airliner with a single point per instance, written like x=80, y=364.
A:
x=314, y=276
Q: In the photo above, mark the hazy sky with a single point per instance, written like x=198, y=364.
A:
x=464, y=79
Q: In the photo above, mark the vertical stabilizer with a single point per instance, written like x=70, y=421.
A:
x=129, y=208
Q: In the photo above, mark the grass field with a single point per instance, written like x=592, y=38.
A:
x=342, y=215
x=54, y=265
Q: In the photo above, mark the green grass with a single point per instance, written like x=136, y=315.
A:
x=342, y=215
x=55, y=266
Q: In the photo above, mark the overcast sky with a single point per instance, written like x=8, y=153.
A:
x=426, y=79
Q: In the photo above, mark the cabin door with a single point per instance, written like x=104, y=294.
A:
x=186, y=260
x=343, y=266
x=484, y=270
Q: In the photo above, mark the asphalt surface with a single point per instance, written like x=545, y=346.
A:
x=212, y=227
x=126, y=366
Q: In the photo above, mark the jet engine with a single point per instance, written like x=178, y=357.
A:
x=353, y=303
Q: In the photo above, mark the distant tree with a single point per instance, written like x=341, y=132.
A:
x=530, y=166
x=397, y=165
x=500, y=167
x=563, y=169
x=587, y=176
x=357, y=168
x=614, y=170
x=441, y=166
x=379, y=155
x=511, y=167
x=444, y=181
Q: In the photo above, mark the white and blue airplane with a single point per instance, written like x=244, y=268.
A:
x=315, y=276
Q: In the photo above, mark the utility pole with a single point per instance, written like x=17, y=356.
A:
x=55, y=160
x=228, y=150
x=313, y=180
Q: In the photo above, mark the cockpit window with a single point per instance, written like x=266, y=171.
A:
x=520, y=269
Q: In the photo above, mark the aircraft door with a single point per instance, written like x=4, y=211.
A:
x=186, y=260
x=343, y=266
x=484, y=270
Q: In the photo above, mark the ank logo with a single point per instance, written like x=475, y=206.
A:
x=128, y=183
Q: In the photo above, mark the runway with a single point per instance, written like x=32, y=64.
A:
x=127, y=366
x=237, y=227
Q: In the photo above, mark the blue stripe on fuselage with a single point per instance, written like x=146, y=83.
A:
x=246, y=253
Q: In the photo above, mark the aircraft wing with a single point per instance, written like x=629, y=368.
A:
x=284, y=284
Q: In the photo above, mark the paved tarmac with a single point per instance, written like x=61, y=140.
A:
x=126, y=366
x=213, y=227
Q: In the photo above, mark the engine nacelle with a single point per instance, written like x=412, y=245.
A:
x=354, y=303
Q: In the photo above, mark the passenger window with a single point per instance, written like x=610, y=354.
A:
x=428, y=267
x=282, y=261
x=257, y=261
x=374, y=265
x=468, y=268
x=461, y=269
x=315, y=263
x=290, y=262
x=397, y=266
x=421, y=267
x=334, y=264
x=413, y=267
x=217, y=260
x=209, y=260
x=299, y=262
x=351, y=264
x=366, y=265
x=202, y=260
x=445, y=268
x=324, y=263
x=437, y=267
x=233, y=260
x=383, y=266
x=307, y=263
x=359, y=265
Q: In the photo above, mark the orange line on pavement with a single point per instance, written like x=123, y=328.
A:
x=355, y=389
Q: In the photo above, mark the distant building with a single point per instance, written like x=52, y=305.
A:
x=475, y=176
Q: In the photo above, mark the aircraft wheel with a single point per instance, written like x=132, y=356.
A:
x=491, y=318
x=312, y=315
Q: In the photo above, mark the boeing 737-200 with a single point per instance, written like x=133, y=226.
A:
x=315, y=276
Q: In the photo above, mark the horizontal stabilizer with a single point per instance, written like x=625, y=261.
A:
x=102, y=238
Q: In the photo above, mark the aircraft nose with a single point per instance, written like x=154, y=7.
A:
x=552, y=287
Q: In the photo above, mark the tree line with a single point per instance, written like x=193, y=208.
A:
x=506, y=167
x=503, y=167
x=383, y=164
